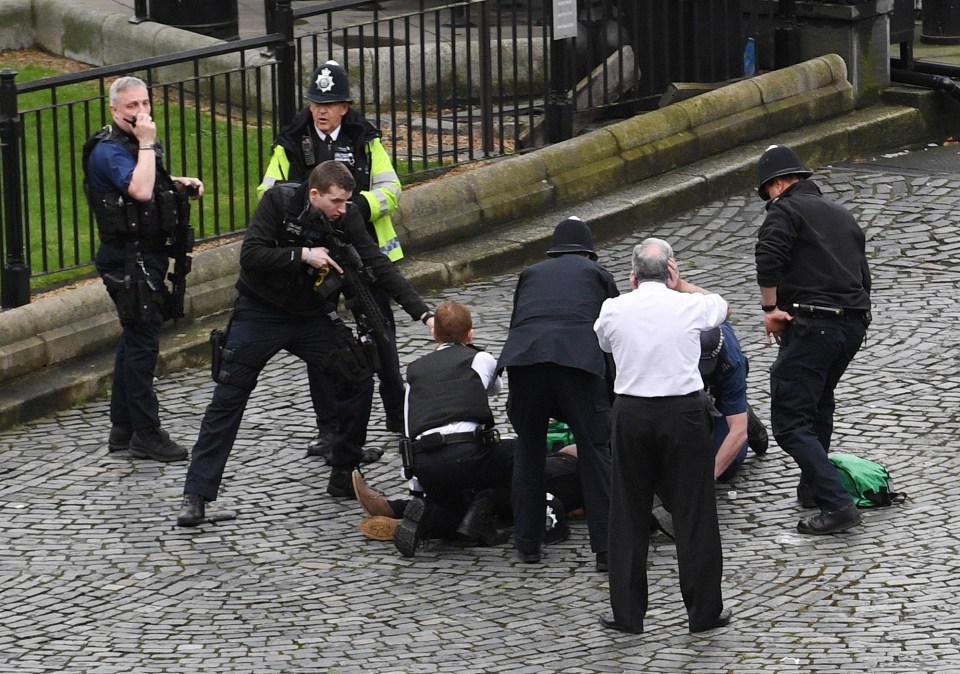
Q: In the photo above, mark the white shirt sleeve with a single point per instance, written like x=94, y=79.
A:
x=715, y=310
x=485, y=365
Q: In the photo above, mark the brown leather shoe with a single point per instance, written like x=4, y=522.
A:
x=373, y=502
x=379, y=528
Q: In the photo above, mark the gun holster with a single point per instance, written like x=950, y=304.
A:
x=406, y=455
x=218, y=339
x=132, y=295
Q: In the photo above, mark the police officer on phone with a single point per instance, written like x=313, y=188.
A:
x=328, y=128
x=138, y=206
x=815, y=287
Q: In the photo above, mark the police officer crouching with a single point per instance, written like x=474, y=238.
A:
x=138, y=207
x=456, y=454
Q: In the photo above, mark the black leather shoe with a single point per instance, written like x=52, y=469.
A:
x=722, y=621
x=119, y=438
x=155, y=443
x=479, y=523
x=192, y=512
x=805, y=495
x=602, y=565
x=322, y=445
x=608, y=621
x=407, y=536
x=370, y=454
x=340, y=484
x=757, y=437
x=528, y=557
x=830, y=521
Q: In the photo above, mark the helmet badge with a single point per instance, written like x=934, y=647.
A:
x=325, y=80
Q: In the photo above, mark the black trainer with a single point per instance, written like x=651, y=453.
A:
x=407, y=536
x=120, y=437
x=722, y=621
x=155, y=444
x=192, y=511
x=830, y=521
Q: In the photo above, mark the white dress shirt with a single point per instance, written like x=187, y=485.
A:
x=653, y=333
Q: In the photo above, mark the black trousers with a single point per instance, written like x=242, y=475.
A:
x=327, y=405
x=814, y=354
x=537, y=394
x=133, y=401
x=257, y=334
x=453, y=474
x=663, y=445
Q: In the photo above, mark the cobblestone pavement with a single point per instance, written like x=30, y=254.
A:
x=96, y=577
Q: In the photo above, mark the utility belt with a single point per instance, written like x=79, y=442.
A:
x=435, y=441
x=819, y=311
x=145, y=246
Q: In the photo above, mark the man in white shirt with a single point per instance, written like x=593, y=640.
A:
x=661, y=438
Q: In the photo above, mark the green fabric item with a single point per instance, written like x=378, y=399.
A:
x=867, y=481
x=558, y=436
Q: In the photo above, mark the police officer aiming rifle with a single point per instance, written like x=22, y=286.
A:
x=138, y=207
x=289, y=254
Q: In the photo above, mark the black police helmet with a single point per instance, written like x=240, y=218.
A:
x=711, y=341
x=572, y=235
x=776, y=162
x=329, y=84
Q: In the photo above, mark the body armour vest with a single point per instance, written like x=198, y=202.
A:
x=121, y=219
x=444, y=389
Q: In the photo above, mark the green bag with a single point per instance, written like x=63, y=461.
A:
x=558, y=436
x=867, y=481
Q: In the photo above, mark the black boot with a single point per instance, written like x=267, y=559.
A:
x=119, y=438
x=155, y=443
x=830, y=521
x=757, y=437
x=479, y=523
x=192, y=512
x=341, y=482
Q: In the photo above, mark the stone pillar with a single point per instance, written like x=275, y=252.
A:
x=857, y=30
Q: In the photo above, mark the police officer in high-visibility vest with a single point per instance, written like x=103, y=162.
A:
x=138, y=206
x=330, y=129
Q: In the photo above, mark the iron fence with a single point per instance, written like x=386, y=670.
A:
x=446, y=82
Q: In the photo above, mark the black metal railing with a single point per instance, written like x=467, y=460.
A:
x=446, y=82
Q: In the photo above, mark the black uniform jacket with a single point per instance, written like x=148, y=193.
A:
x=812, y=251
x=270, y=268
x=554, y=308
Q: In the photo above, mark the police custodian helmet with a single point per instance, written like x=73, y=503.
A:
x=572, y=236
x=329, y=84
x=776, y=162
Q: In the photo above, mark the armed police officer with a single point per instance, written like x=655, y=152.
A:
x=303, y=245
x=330, y=129
x=815, y=287
x=138, y=207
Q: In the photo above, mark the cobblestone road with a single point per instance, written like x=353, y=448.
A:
x=96, y=577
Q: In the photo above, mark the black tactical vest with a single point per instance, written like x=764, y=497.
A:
x=444, y=389
x=121, y=219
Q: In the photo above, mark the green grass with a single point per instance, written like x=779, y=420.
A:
x=62, y=238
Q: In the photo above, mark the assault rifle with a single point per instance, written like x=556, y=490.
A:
x=355, y=284
x=179, y=248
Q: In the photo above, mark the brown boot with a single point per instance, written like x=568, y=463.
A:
x=373, y=502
